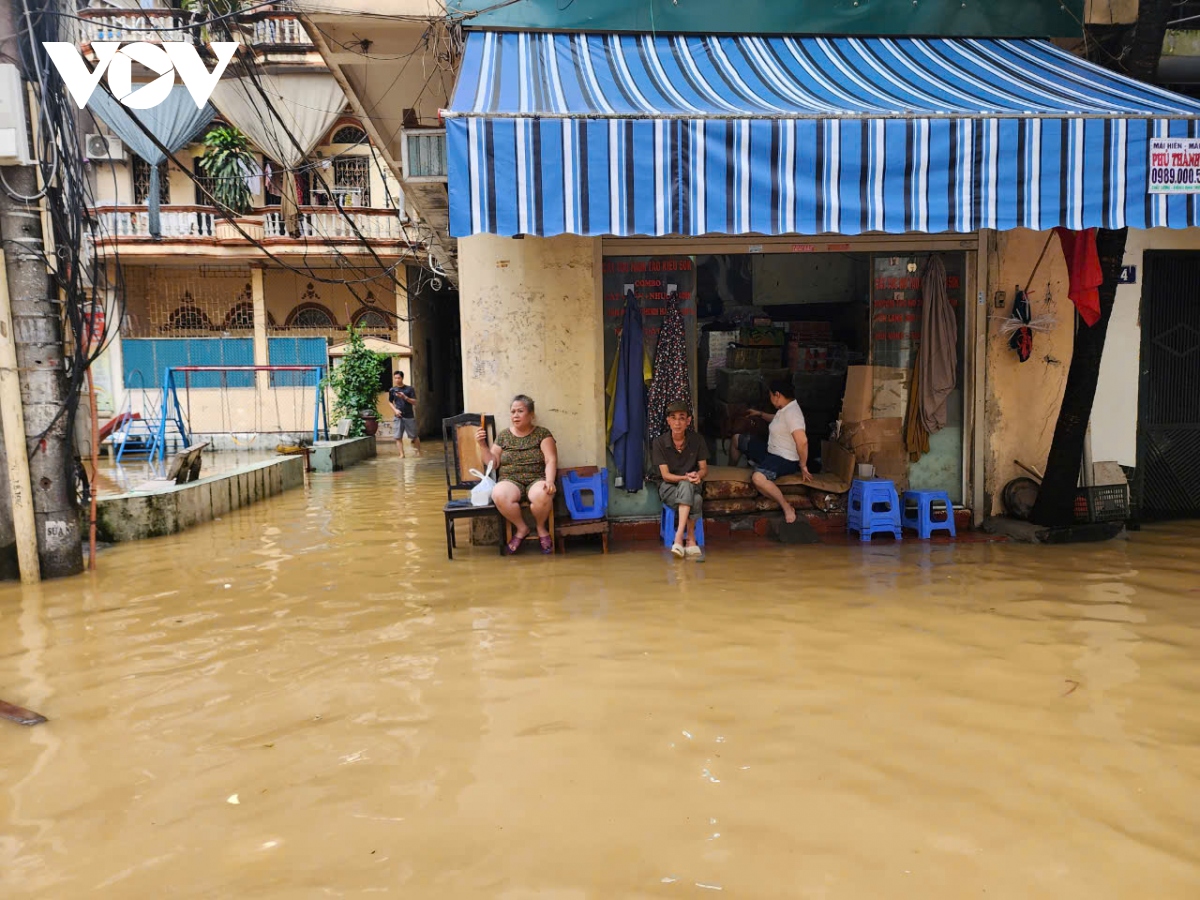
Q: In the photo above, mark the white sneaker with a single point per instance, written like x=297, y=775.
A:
x=694, y=552
x=677, y=550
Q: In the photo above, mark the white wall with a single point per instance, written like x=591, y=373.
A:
x=1115, y=414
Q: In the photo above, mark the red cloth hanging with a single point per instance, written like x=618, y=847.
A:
x=1083, y=269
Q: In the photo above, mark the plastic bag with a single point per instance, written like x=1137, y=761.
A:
x=481, y=494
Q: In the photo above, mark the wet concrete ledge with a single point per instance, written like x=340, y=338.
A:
x=137, y=515
x=334, y=456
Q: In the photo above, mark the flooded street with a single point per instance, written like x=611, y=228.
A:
x=306, y=700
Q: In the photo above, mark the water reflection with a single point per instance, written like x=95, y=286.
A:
x=838, y=722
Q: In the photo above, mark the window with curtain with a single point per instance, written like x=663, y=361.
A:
x=141, y=181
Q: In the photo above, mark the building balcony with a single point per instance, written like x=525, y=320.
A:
x=204, y=232
x=265, y=31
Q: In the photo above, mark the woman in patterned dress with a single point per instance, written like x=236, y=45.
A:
x=526, y=459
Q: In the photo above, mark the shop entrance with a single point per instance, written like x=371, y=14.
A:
x=1169, y=394
x=820, y=320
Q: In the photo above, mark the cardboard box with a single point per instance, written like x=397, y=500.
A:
x=874, y=392
x=754, y=358
x=748, y=386
x=762, y=337
x=837, y=469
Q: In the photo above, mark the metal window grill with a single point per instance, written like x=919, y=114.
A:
x=141, y=181
x=352, y=180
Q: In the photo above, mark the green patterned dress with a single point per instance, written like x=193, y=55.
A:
x=521, y=458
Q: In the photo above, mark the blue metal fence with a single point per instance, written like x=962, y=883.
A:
x=297, y=352
x=144, y=359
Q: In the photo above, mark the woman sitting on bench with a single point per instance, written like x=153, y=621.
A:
x=526, y=460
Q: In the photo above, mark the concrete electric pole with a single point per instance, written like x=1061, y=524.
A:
x=37, y=336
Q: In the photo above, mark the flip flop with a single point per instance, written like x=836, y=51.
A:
x=547, y=543
x=514, y=545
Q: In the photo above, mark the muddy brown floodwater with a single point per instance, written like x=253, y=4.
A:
x=305, y=700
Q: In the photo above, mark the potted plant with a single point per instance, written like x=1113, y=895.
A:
x=227, y=159
x=355, y=385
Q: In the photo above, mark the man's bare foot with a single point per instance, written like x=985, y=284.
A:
x=789, y=514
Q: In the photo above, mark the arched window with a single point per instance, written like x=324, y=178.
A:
x=370, y=318
x=348, y=134
x=311, y=315
x=241, y=317
x=188, y=318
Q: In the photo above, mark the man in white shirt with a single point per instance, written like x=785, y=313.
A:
x=785, y=451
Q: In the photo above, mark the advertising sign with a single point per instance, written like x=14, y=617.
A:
x=1174, y=166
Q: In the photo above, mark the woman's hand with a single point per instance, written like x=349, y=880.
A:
x=481, y=436
x=551, y=487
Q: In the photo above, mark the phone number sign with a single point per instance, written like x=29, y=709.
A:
x=1175, y=165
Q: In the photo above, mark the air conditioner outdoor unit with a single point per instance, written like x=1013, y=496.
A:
x=103, y=146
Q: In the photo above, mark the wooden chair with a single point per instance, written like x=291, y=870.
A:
x=462, y=454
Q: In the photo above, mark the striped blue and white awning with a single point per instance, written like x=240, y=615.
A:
x=639, y=135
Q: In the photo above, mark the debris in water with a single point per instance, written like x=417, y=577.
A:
x=720, y=740
x=228, y=586
x=1074, y=684
x=709, y=887
x=669, y=880
x=687, y=735
x=233, y=798
x=20, y=714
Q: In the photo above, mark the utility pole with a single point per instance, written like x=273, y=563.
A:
x=38, y=338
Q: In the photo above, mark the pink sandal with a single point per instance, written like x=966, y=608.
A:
x=515, y=544
x=547, y=543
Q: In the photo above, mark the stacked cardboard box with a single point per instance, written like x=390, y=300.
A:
x=873, y=420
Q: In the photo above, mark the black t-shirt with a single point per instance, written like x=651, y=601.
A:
x=396, y=397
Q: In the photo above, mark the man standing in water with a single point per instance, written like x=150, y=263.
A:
x=403, y=399
x=681, y=457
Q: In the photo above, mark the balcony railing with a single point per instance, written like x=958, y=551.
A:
x=157, y=25
x=203, y=224
x=176, y=222
x=133, y=25
x=327, y=223
x=281, y=30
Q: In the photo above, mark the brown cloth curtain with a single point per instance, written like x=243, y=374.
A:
x=937, y=355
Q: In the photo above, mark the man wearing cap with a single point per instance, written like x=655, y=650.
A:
x=681, y=457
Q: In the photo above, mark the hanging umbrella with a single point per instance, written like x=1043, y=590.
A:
x=671, y=380
x=629, y=403
x=174, y=123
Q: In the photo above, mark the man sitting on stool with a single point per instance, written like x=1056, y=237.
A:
x=784, y=453
x=682, y=460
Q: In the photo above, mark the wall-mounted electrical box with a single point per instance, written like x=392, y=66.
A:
x=14, y=123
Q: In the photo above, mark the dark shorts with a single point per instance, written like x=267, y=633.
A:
x=404, y=427
x=770, y=465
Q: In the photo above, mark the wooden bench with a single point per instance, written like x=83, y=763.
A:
x=185, y=465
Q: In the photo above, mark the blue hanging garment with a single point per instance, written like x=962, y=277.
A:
x=629, y=403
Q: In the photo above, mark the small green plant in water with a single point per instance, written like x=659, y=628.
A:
x=227, y=160
x=355, y=382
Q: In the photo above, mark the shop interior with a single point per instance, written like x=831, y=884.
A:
x=826, y=322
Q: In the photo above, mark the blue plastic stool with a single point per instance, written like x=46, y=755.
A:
x=574, y=487
x=874, y=508
x=917, y=513
x=667, y=528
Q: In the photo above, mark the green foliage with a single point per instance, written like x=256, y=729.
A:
x=355, y=382
x=227, y=159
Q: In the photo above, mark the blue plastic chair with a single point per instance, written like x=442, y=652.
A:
x=574, y=486
x=874, y=508
x=918, y=509
x=667, y=528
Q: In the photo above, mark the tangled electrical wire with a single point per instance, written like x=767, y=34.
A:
x=79, y=267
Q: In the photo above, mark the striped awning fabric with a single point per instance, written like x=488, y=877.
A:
x=639, y=135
